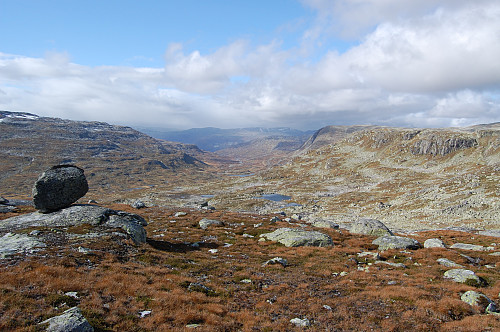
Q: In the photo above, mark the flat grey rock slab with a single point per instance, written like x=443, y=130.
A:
x=293, y=237
x=472, y=247
x=71, y=320
x=76, y=215
x=11, y=244
x=396, y=242
x=448, y=263
x=491, y=232
x=369, y=227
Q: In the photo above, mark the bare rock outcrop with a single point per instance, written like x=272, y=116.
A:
x=77, y=215
x=442, y=145
x=59, y=187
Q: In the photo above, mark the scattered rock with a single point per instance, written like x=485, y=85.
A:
x=463, y=276
x=17, y=243
x=197, y=287
x=400, y=265
x=92, y=201
x=205, y=223
x=491, y=232
x=293, y=237
x=7, y=208
x=300, y=322
x=71, y=320
x=138, y=204
x=473, y=247
x=369, y=255
x=59, y=187
x=76, y=215
x=480, y=300
x=396, y=242
x=434, y=243
x=325, y=224
x=144, y=313
x=448, y=263
x=370, y=227
x=180, y=214
x=274, y=219
x=276, y=260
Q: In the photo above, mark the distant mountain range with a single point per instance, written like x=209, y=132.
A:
x=113, y=157
x=215, y=139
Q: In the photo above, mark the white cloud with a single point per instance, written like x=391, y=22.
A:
x=419, y=63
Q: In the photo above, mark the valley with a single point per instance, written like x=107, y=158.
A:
x=206, y=258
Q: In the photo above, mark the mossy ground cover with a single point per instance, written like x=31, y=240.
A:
x=332, y=287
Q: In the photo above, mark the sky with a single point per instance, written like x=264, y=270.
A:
x=303, y=64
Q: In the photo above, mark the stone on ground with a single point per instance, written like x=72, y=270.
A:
x=59, y=187
x=434, y=243
x=480, y=300
x=396, y=242
x=293, y=237
x=467, y=246
x=205, y=223
x=370, y=227
x=463, y=276
x=71, y=320
x=448, y=263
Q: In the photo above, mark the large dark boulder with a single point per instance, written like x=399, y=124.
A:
x=59, y=187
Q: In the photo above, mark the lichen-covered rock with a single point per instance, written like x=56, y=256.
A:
x=325, y=224
x=138, y=204
x=480, y=300
x=370, y=227
x=276, y=260
x=434, y=243
x=448, y=263
x=472, y=247
x=205, y=223
x=71, y=320
x=59, y=187
x=293, y=237
x=300, y=322
x=463, y=276
x=396, y=242
x=76, y=215
x=16, y=243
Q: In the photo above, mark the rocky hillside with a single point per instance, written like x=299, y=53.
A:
x=115, y=158
x=409, y=178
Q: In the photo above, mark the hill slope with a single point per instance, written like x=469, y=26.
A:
x=409, y=178
x=115, y=158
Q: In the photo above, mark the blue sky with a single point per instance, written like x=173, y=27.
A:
x=303, y=64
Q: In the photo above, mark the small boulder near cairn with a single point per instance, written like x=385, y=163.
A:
x=59, y=187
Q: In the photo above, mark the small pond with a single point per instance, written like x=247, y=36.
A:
x=275, y=197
